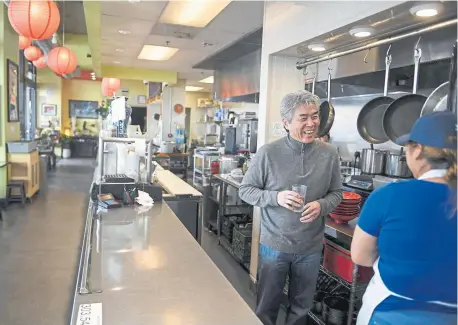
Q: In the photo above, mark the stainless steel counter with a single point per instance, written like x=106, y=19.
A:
x=145, y=268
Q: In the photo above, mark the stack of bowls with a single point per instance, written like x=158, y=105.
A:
x=348, y=209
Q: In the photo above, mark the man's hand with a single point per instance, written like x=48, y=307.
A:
x=311, y=211
x=289, y=200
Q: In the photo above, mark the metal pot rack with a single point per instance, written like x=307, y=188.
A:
x=304, y=64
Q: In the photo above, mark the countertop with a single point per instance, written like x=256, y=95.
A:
x=150, y=270
x=174, y=185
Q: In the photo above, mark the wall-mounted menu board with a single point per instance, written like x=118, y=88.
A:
x=83, y=108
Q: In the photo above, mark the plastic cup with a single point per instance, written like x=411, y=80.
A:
x=302, y=191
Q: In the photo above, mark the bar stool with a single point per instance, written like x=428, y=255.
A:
x=21, y=197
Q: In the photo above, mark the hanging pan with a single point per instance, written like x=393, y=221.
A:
x=401, y=115
x=438, y=100
x=327, y=112
x=370, y=118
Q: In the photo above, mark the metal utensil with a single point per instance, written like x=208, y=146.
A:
x=370, y=118
x=438, y=100
x=401, y=115
x=327, y=112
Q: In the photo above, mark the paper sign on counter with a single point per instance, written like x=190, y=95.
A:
x=89, y=314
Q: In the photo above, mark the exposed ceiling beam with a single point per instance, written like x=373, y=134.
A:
x=110, y=71
x=92, y=15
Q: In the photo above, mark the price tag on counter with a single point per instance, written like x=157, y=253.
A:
x=90, y=314
x=330, y=232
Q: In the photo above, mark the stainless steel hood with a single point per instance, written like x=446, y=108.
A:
x=239, y=80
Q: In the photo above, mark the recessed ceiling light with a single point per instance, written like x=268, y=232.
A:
x=134, y=1
x=156, y=53
x=426, y=10
x=361, y=31
x=192, y=88
x=116, y=62
x=124, y=32
x=317, y=47
x=92, y=73
x=194, y=13
x=208, y=80
x=119, y=50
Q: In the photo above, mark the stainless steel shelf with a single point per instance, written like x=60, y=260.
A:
x=317, y=319
x=341, y=281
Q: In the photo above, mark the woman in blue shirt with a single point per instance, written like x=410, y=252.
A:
x=407, y=231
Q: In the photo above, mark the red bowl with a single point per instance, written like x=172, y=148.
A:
x=351, y=196
x=342, y=218
x=349, y=204
x=341, y=210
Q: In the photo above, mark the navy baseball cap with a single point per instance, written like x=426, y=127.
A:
x=437, y=130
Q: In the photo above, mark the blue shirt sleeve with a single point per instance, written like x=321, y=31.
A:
x=373, y=212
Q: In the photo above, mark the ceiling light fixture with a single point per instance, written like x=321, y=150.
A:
x=157, y=53
x=119, y=50
x=361, y=31
x=92, y=73
x=317, y=47
x=116, y=62
x=427, y=9
x=193, y=13
x=208, y=80
x=192, y=88
x=124, y=32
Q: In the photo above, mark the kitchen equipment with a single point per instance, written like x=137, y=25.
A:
x=249, y=133
x=451, y=100
x=337, y=260
x=167, y=147
x=237, y=174
x=372, y=161
x=230, y=140
x=370, y=118
x=437, y=101
x=327, y=112
x=214, y=167
x=380, y=181
x=396, y=165
x=318, y=301
x=401, y=115
x=227, y=163
x=335, y=310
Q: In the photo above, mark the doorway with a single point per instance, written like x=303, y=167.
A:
x=138, y=117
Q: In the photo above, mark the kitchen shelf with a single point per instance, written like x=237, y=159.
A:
x=228, y=247
x=341, y=281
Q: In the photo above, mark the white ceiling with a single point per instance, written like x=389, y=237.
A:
x=141, y=19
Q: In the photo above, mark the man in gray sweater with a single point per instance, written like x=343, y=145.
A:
x=291, y=242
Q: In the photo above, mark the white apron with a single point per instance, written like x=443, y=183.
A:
x=376, y=291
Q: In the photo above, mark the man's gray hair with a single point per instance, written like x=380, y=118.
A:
x=291, y=101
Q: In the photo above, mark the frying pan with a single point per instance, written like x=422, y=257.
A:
x=402, y=113
x=370, y=125
x=451, y=101
x=438, y=100
x=327, y=112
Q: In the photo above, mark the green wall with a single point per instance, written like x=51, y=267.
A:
x=8, y=50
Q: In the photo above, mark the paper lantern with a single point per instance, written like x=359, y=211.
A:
x=32, y=53
x=107, y=92
x=62, y=60
x=24, y=42
x=111, y=83
x=40, y=63
x=37, y=20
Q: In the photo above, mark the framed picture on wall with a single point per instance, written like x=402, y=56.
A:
x=48, y=110
x=12, y=81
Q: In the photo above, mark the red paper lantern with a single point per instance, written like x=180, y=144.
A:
x=32, y=53
x=111, y=83
x=24, y=42
x=62, y=60
x=40, y=63
x=37, y=20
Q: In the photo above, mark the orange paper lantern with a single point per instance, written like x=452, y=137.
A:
x=107, y=92
x=32, y=53
x=40, y=63
x=62, y=60
x=37, y=20
x=24, y=42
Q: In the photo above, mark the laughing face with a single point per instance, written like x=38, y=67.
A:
x=304, y=124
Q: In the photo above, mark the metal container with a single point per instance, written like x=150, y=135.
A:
x=396, y=165
x=227, y=163
x=372, y=161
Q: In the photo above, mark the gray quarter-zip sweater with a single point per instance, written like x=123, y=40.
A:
x=275, y=167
